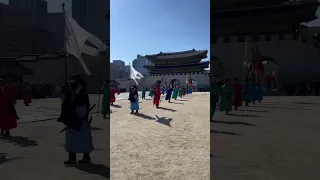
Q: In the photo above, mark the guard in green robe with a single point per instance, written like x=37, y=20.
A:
x=214, y=89
x=226, y=97
x=175, y=93
x=151, y=92
x=106, y=100
x=180, y=92
x=143, y=95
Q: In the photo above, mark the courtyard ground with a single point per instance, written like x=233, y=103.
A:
x=172, y=142
x=277, y=139
x=36, y=149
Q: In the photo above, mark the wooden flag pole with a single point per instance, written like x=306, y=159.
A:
x=65, y=44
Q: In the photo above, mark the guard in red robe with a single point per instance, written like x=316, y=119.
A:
x=156, y=97
x=184, y=91
x=113, y=92
x=27, y=95
x=8, y=114
x=237, y=89
x=14, y=90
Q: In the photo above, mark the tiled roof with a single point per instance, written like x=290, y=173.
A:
x=174, y=55
x=200, y=64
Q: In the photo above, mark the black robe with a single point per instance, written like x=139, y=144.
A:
x=68, y=115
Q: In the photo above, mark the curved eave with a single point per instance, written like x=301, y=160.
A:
x=158, y=57
x=16, y=68
x=201, y=64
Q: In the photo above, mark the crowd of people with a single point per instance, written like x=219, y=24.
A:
x=226, y=94
x=155, y=92
x=75, y=111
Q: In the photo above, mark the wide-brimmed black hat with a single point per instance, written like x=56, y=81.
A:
x=78, y=80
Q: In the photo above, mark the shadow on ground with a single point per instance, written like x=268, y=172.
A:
x=224, y=132
x=182, y=100
x=284, y=107
x=167, y=109
x=248, y=110
x=233, y=123
x=3, y=158
x=98, y=169
x=19, y=141
x=145, y=116
x=176, y=103
x=116, y=106
x=243, y=115
x=164, y=120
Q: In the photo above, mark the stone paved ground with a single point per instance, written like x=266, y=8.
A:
x=275, y=140
x=169, y=143
x=36, y=150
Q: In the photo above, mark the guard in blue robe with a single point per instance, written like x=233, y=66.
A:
x=134, y=99
x=260, y=92
x=169, y=93
x=246, y=94
x=255, y=92
x=75, y=115
x=188, y=90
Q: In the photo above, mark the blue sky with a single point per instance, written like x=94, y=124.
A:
x=150, y=26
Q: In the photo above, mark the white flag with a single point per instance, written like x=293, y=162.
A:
x=134, y=74
x=76, y=38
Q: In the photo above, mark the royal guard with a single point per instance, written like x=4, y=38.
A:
x=106, y=100
x=237, y=89
x=113, y=92
x=27, y=94
x=156, y=97
x=8, y=114
x=184, y=90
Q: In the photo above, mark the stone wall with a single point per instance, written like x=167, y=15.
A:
x=298, y=60
x=53, y=71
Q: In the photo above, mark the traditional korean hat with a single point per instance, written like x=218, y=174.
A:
x=78, y=79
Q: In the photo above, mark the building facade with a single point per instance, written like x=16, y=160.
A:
x=139, y=63
x=56, y=27
x=15, y=36
x=91, y=16
x=127, y=68
x=114, y=71
x=36, y=9
x=120, y=63
x=272, y=26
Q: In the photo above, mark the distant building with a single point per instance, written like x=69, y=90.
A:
x=139, y=63
x=91, y=16
x=120, y=63
x=127, y=68
x=114, y=71
x=15, y=32
x=56, y=26
x=36, y=9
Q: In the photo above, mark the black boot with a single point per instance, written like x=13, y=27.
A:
x=7, y=133
x=72, y=159
x=132, y=112
x=2, y=131
x=86, y=159
x=137, y=112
